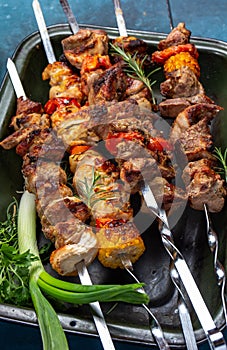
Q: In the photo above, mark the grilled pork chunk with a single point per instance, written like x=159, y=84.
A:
x=196, y=141
x=178, y=36
x=204, y=185
x=192, y=115
x=181, y=83
x=86, y=42
x=170, y=108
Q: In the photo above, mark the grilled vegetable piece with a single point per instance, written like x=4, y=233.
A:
x=160, y=57
x=119, y=240
x=182, y=59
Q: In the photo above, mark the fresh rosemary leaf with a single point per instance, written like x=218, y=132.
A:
x=135, y=68
x=222, y=158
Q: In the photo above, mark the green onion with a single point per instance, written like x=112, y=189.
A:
x=40, y=281
x=53, y=336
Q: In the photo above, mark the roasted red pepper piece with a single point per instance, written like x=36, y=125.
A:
x=58, y=102
x=161, y=56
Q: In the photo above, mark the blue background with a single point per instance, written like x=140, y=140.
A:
x=205, y=18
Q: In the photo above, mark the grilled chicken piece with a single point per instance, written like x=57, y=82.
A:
x=85, y=42
x=181, y=83
x=63, y=113
x=64, y=259
x=56, y=72
x=63, y=80
x=192, y=115
x=204, y=185
x=69, y=87
x=178, y=36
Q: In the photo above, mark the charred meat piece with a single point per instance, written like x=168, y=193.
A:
x=178, y=36
x=109, y=86
x=85, y=42
x=196, y=141
x=204, y=185
x=192, y=115
x=131, y=44
x=26, y=106
x=181, y=83
x=170, y=108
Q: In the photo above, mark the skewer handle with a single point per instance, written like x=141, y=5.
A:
x=169, y=14
x=96, y=310
x=212, y=238
x=214, y=336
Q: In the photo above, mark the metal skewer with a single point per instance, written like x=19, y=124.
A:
x=182, y=308
x=155, y=326
x=211, y=234
x=70, y=16
x=218, y=267
x=83, y=274
x=120, y=18
x=214, y=336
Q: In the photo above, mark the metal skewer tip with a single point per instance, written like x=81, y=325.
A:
x=70, y=16
x=120, y=18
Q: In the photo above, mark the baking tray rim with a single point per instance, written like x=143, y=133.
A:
x=73, y=324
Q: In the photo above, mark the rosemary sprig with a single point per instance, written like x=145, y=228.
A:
x=222, y=158
x=135, y=68
x=92, y=192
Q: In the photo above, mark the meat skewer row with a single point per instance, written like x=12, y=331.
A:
x=202, y=169
x=190, y=128
x=110, y=209
x=101, y=78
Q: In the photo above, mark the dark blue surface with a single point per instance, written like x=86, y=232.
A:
x=205, y=18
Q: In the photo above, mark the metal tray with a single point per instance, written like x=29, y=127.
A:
x=126, y=322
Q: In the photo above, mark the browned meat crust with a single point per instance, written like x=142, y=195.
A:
x=85, y=42
x=204, y=186
x=178, y=36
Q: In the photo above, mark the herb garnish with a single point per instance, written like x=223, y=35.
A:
x=90, y=191
x=222, y=158
x=135, y=68
x=14, y=267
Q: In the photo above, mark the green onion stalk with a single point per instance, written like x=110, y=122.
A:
x=53, y=336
